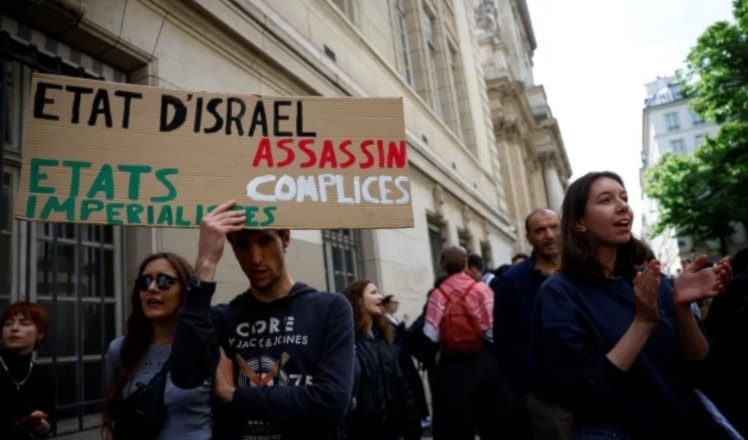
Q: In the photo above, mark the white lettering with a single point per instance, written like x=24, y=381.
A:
x=332, y=188
x=399, y=182
x=254, y=194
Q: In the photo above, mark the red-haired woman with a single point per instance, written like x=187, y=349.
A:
x=27, y=392
x=384, y=407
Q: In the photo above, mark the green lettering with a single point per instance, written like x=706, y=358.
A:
x=53, y=205
x=104, y=182
x=250, y=212
x=113, y=211
x=269, y=212
x=200, y=212
x=133, y=213
x=180, y=217
x=75, y=174
x=150, y=214
x=35, y=176
x=171, y=190
x=133, y=187
x=165, y=217
x=89, y=206
x=30, y=207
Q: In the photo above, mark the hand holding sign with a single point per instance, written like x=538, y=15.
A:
x=213, y=230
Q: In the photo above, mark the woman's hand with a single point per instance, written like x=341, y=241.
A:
x=695, y=284
x=36, y=424
x=646, y=292
x=223, y=385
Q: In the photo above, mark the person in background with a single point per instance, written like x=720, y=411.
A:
x=134, y=359
x=727, y=324
x=390, y=303
x=385, y=409
x=27, y=391
x=514, y=297
x=519, y=257
x=475, y=266
x=617, y=346
x=466, y=387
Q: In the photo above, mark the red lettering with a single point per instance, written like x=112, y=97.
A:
x=344, y=149
x=264, y=152
x=311, y=157
x=328, y=155
x=397, y=154
x=369, y=157
x=290, y=155
x=380, y=150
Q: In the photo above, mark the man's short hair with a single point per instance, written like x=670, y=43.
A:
x=518, y=256
x=453, y=260
x=476, y=261
x=535, y=212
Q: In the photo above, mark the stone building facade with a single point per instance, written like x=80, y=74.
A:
x=481, y=154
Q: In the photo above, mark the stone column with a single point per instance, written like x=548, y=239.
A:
x=553, y=187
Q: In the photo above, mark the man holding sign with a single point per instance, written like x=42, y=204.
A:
x=284, y=350
x=132, y=155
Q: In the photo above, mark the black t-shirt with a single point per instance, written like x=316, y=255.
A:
x=35, y=394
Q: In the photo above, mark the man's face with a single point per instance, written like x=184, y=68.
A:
x=260, y=255
x=543, y=234
x=474, y=273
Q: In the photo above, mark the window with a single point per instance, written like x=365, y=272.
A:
x=72, y=270
x=678, y=146
x=436, y=242
x=672, y=121
x=347, y=7
x=6, y=222
x=696, y=118
x=342, y=253
x=402, y=23
x=698, y=140
x=428, y=30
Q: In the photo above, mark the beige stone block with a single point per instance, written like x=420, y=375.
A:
x=141, y=26
x=105, y=14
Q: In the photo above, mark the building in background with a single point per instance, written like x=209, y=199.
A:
x=530, y=150
x=670, y=125
x=467, y=188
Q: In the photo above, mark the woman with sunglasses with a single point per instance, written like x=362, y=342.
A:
x=615, y=342
x=134, y=359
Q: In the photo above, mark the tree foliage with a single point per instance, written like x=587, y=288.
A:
x=700, y=194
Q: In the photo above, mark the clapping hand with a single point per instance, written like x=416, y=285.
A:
x=646, y=292
x=695, y=284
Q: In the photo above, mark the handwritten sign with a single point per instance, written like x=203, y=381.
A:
x=110, y=153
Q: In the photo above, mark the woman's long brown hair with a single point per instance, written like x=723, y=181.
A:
x=138, y=336
x=578, y=252
x=361, y=318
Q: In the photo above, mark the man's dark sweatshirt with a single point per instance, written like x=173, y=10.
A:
x=514, y=298
x=307, y=337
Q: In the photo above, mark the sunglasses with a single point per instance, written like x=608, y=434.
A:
x=163, y=281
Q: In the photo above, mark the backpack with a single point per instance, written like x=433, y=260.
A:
x=459, y=331
x=143, y=413
x=418, y=345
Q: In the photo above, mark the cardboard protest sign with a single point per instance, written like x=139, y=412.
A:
x=111, y=153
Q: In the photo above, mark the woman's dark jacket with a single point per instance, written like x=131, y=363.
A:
x=384, y=406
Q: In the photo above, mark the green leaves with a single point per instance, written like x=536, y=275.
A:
x=700, y=194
